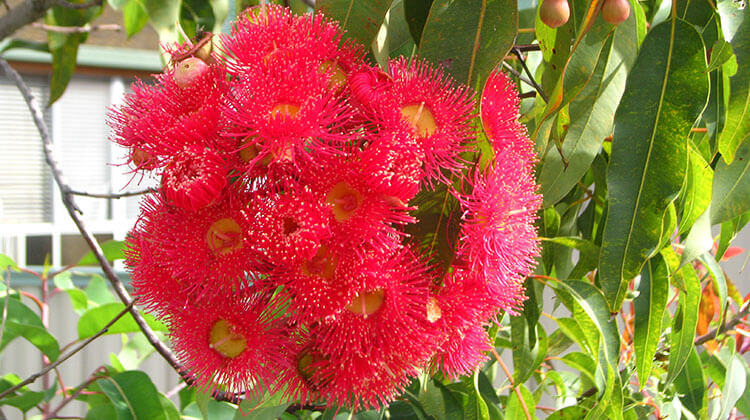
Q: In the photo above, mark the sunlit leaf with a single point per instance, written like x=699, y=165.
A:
x=93, y=320
x=735, y=23
x=360, y=18
x=666, y=91
x=649, y=312
x=469, y=38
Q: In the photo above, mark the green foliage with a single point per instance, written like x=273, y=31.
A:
x=644, y=149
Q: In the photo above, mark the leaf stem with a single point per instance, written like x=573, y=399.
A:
x=510, y=379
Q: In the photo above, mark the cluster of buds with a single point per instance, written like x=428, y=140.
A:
x=280, y=248
x=555, y=13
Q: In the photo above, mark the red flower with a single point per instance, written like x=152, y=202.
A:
x=234, y=340
x=209, y=249
x=194, y=178
x=157, y=121
x=498, y=237
x=288, y=226
x=500, y=113
x=432, y=108
x=362, y=218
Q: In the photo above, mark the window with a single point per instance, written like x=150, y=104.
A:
x=34, y=223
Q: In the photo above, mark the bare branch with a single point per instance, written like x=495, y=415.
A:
x=512, y=383
x=57, y=362
x=114, y=196
x=73, y=396
x=69, y=5
x=77, y=29
x=517, y=51
x=22, y=15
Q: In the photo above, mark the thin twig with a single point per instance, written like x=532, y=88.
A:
x=69, y=5
x=112, y=195
x=527, y=47
x=518, y=74
x=744, y=311
x=73, y=396
x=7, y=6
x=517, y=51
x=77, y=29
x=57, y=362
x=510, y=379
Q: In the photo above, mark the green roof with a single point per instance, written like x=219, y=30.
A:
x=98, y=56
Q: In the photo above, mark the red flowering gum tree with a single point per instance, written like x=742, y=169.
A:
x=294, y=245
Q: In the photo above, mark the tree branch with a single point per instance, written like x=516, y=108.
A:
x=744, y=311
x=22, y=15
x=57, y=362
x=115, y=196
x=77, y=29
x=517, y=51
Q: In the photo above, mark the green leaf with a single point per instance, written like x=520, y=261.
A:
x=665, y=92
x=271, y=407
x=735, y=24
x=591, y=112
x=112, y=250
x=583, y=363
x=170, y=411
x=699, y=240
x=98, y=291
x=25, y=401
x=731, y=187
x=691, y=385
x=415, y=12
x=588, y=253
x=475, y=407
x=134, y=17
x=684, y=323
x=8, y=44
x=394, y=38
x=64, y=46
x=649, y=312
x=734, y=386
x=696, y=196
x=93, y=320
x=78, y=297
x=164, y=16
x=721, y=52
x=720, y=282
x=7, y=262
x=21, y=321
x=526, y=358
x=594, y=305
x=469, y=38
x=573, y=412
x=514, y=410
x=360, y=18
x=729, y=231
x=133, y=395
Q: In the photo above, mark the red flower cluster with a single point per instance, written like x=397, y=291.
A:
x=277, y=249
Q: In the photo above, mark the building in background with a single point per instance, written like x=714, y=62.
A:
x=33, y=222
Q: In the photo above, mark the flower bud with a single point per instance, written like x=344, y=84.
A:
x=615, y=11
x=554, y=13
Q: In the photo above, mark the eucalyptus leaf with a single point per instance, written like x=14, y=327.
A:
x=665, y=93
